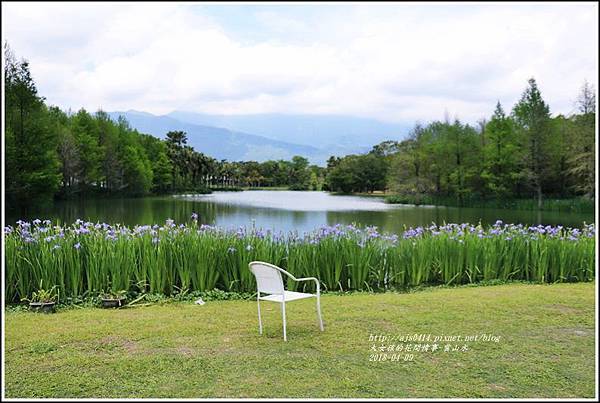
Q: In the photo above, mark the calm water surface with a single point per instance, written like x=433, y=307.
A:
x=283, y=210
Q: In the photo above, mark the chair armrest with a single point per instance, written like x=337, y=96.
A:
x=313, y=279
x=290, y=275
x=307, y=278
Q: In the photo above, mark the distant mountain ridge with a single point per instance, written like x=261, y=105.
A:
x=218, y=142
x=322, y=131
x=220, y=139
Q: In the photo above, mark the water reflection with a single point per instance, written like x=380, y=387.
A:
x=301, y=211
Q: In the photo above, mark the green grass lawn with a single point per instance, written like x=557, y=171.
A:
x=182, y=350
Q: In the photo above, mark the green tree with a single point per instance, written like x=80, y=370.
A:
x=439, y=157
x=532, y=115
x=162, y=173
x=137, y=171
x=269, y=170
x=372, y=172
x=157, y=153
x=299, y=175
x=32, y=164
x=86, y=134
x=68, y=152
x=111, y=166
x=342, y=177
x=583, y=160
x=409, y=166
x=501, y=169
x=385, y=148
x=358, y=173
x=176, y=141
x=317, y=177
x=464, y=149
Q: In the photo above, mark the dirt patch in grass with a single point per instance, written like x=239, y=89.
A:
x=563, y=308
x=186, y=351
x=115, y=343
x=131, y=347
x=109, y=344
x=576, y=331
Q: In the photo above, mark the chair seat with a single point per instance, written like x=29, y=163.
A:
x=289, y=296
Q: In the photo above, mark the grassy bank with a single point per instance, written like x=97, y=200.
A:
x=226, y=188
x=545, y=347
x=88, y=258
x=574, y=205
x=266, y=188
x=376, y=193
x=242, y=188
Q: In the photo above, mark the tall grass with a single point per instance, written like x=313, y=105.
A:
x=89, y=258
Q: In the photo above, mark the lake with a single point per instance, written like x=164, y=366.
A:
x=283, y=210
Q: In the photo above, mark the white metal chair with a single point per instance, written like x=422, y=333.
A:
x=269, y=281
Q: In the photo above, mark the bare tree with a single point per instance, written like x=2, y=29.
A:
x=586, y=101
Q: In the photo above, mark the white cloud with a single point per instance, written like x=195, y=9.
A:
x=401, y=62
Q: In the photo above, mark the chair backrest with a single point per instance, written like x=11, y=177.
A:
x=268, y=277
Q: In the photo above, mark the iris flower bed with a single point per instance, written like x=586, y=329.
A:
x=86, y=258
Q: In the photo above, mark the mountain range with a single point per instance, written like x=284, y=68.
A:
x=262, y=137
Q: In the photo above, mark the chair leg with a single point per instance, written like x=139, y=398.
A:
x=259, y=319
x=283, y=315
x=319, y=313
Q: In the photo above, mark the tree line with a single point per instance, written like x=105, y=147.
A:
x=522, y=154
x=51, y=153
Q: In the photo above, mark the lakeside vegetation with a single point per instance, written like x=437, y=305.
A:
x=571, y=205
x=504, y=161
x=524, y=155
x=88, y=258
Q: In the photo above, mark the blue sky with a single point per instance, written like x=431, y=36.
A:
x=393, y=62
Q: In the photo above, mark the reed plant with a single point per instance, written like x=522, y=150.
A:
x=90, y=258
